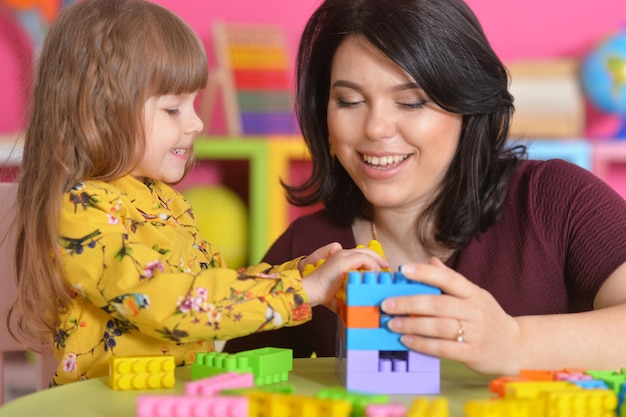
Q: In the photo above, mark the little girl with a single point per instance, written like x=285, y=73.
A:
x=109, y=257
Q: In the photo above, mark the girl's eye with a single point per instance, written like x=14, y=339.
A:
x=172, y=112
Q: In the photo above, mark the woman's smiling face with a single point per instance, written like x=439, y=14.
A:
x=393, y=141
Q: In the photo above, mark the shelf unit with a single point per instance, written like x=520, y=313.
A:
x=271, y=158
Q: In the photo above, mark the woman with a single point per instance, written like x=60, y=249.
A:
x=405, y=109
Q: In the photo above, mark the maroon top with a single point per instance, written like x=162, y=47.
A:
x=562, y=233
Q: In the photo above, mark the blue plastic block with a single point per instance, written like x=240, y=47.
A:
x=373, y=339
x=370, y=288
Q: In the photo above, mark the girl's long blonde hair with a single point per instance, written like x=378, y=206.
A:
x=100, y=62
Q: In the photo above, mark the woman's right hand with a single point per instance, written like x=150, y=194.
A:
x=322, y=284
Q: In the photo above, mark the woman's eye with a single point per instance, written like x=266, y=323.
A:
x=347, y=103
x=414, y=104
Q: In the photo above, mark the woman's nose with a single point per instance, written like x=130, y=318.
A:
x=380, y=123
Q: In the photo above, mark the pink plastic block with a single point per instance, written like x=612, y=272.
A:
x=213, y=385
x=385, y=410
x=177, y=405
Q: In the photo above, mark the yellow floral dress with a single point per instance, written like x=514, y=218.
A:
x=143, y=281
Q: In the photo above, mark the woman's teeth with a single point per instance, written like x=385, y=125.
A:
x=383, y=161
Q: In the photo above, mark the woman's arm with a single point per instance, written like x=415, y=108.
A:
x=496, y=343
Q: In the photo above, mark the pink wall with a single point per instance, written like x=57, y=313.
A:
x=516, y=28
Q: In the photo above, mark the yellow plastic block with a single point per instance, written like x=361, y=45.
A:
x=587, y=402
x=423, y=407
x=532, y=389
x=141, y=372
x=280, y=405
x=504, y=408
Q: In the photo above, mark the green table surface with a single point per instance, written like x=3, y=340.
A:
x=95, y=398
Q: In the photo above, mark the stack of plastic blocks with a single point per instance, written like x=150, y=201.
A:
x=370, y=357
x=268, y=365
x=544, y=393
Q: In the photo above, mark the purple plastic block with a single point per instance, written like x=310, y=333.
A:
x=393, y=383
x=418, y=362
x=213, y=385
x=414, y=383
x=362, y=360
x=177, y=405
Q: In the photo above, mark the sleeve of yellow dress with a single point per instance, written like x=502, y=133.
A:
x=156, y=272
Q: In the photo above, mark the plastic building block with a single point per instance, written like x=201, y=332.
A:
x=537, y=374
x=396, y=383
x=385, y=410
x=599, y=402
x=141, y=372
x=497, y=385
x=422, y=407
x=504, y=408
x=613, y=379
x=359, y=317
x=277, y=405
x=590, y=383
x=370, y=288
x=368, y=339
x=177, y=405
x=308, y=268
x=213, y=385
x=532, y=389
x=358, y=400
x=373, y=361
x=214, y=363
x=268, y=365
x=268, y=389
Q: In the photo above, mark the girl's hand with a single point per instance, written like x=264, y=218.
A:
x=464, y=323
x=322, y=284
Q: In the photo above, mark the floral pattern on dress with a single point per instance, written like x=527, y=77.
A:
x=143, y=281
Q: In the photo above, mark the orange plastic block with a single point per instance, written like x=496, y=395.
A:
x=537, y=374
x=362, y=317
x=497, y=386
x=141, y=372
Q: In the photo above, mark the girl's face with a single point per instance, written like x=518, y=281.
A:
x=393, y=141
x=171, y=124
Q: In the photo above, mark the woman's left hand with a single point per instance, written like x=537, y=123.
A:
x=464, y=323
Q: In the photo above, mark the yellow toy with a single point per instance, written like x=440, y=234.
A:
x=141, y=372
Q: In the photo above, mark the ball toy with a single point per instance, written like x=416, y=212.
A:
x=222, y=218
x=603, y=76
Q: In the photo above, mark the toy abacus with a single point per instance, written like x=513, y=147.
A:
x=253, y=75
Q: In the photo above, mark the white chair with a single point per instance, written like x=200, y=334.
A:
x=45, y=363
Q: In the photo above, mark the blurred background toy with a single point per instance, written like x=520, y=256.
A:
x=222, y=219
x=603, y=77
